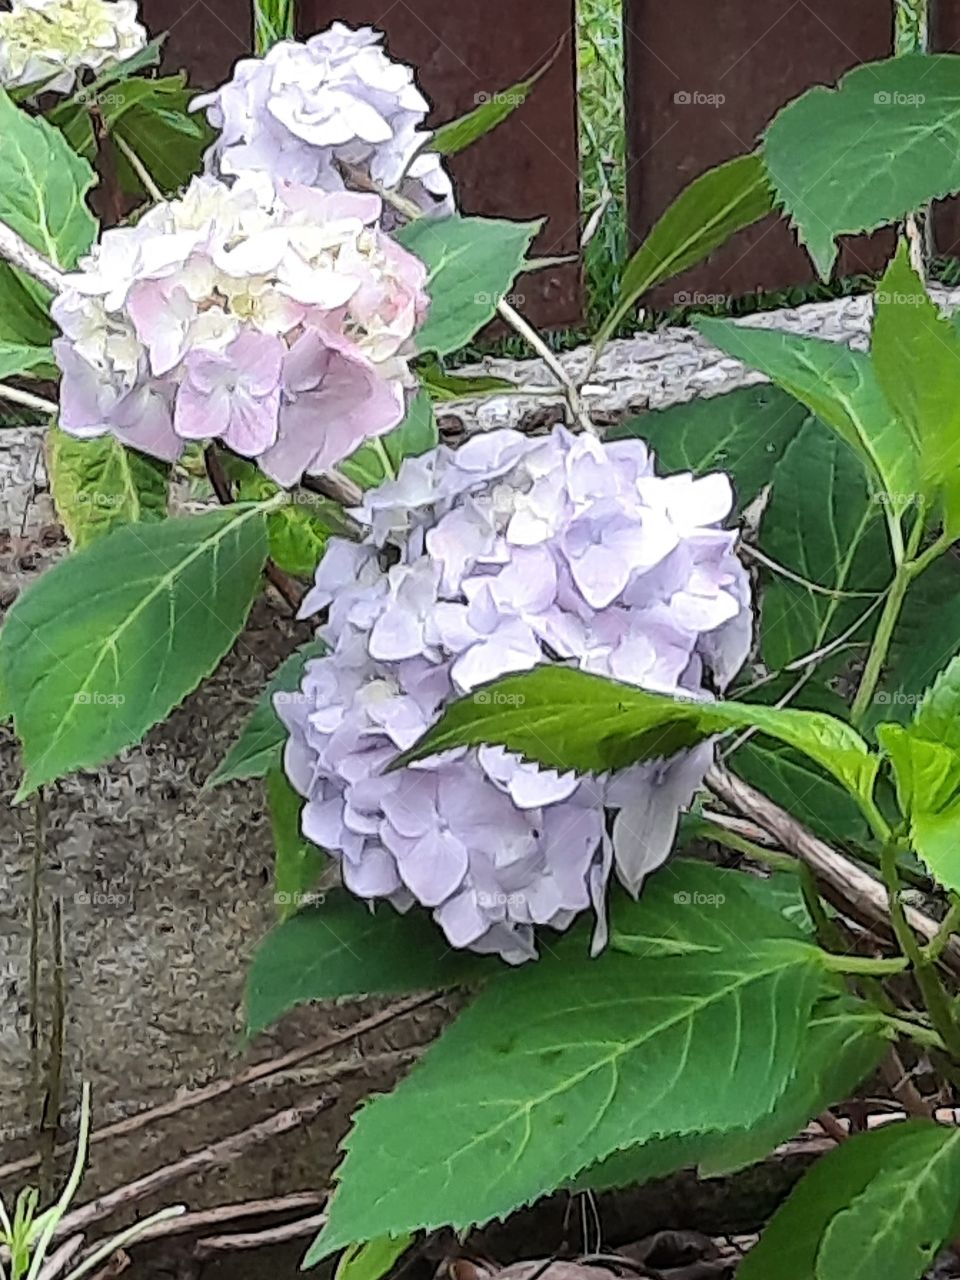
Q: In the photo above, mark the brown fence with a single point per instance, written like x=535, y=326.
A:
x=704, y=77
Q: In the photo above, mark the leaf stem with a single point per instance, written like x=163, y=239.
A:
x=934, y=996
x=28, y=399
x=864, y=965
x=15, y=250
x=139, y=168
x=913, y=1031
x=938, y=945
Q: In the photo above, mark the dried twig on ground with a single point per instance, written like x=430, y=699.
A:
x=211, y=1246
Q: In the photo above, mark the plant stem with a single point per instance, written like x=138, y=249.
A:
x=935, y=949
x=934, y=996
x=14, y=249
x=28, y=399
x=864, y=965
x=907, y=571
x=913, y=1031
x=139, y=168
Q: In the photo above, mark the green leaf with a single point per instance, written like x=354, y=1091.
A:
x=926, y=638
x=444, y=386
x=744, y=433
x=881, y=145
x=20, y=358
x=344, y=948
x=569, y=719
x=472, y=262
x=705, y=215
x=822, y=525
x=937, y=717
x=841, y=1046
x=927, y=774
x=43, y=187
x=840, y=387
x=111, y=639
x=298, y=863
x=298, y=531
x=374, y=1260
x=260, y=747
x=881, y=1204
x=380, y=460
x=98, y=485
x=916, y=355
x=492, y=109
x=570, y=1060
x=809, y=794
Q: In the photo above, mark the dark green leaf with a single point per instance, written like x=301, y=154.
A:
x=298, y=863
x=111, y=639
x=840, y=387
x=569, y=719
x=570, y=1060
x=878, y=147
x=881, y=1204
x=744, y=433
x=260, y=747
x=343, y=948
x=707, y=213
x=98, y=485
x=473, y=262
x=823, y=525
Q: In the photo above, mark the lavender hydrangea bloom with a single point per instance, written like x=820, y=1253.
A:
x=277, y=319
x=305, y=109
x=492, y=569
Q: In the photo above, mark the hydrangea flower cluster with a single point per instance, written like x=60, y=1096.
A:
x=306, y=108
x=49, y=42
x=490, y=559
x=276, y=318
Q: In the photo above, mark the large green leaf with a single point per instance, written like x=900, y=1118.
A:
x=43, y=186
x=343, y=948
x=744, y=433
x=805, y=791
x=472, y=262
x=108, y=641
x=705, y=215
x=98, y=485
x=881, y=1204
x=881, y=145
x=841, y=1046
x=840, y=387
x=926, y=638
x=571, y=1060
x=822, y=525
x=260, y=747
x=916, y=355
x=937, y=717
x=20, y=358
x=298, y=864
x=569, y=719
x=927, y=773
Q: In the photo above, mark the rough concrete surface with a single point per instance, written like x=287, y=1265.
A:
x=165, y=891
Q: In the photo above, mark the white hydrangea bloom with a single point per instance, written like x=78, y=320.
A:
x=306, y=108
x=49, y=42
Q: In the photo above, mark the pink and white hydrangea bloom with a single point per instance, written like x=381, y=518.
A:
x=48, y=43
x=491, y=559
x=305, y=109
x=279, y=320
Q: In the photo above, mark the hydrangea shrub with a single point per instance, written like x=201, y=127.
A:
x=541, y=661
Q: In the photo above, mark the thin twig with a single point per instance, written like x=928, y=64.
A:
x=214, y=1245
x=139, y=168
x=60, y=1258
x=219, y=1088
x=335, y=486
x=189, y=1224
x=218, y=1153
x=14, y=249
x=851, y=889
x=28, y=399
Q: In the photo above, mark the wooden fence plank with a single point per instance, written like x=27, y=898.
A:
x=704, y=78
x=206, y=37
